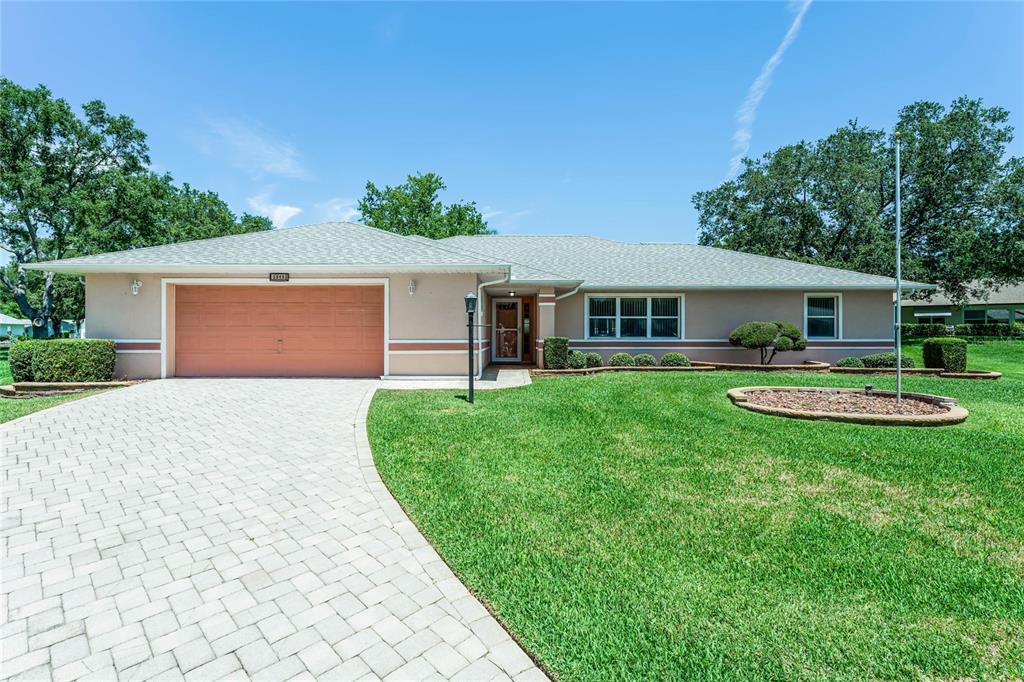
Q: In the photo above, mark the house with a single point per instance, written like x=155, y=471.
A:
x=12, y=326
x=342, y=299
x=1003, y=305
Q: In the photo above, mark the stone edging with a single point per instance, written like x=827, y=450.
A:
x=597, y=370
x=955, y=415
x=433, y=563
x=917, y=371
x=806, y=366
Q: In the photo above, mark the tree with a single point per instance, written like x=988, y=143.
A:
x=73, y=186
x=769, y=338
x=831, y=202
x=413, y=208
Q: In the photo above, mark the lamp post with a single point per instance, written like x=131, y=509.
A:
x=470, y=310
x=899, y=286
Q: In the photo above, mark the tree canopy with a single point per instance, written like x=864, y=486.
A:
x=413, y=208
x=73, y=186
x=831, y=201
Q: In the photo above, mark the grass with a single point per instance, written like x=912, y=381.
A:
x=638, y=526
x=12, y=408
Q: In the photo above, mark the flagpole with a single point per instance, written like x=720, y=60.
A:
x=899, y=287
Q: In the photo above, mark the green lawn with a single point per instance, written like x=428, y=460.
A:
x=633, y=525
x=12, y=408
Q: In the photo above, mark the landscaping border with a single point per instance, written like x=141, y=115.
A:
x=632, y=368
x=955, y=415
x=918, y=371
x=805, y=366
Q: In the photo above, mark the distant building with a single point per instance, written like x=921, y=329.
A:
x=12, y=326
x=1003, y=305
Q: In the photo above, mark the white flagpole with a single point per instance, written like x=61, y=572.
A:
x=899, y=287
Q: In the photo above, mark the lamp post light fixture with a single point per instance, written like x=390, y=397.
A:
x=470, y=311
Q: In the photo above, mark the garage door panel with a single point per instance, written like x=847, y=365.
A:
x=279, y=331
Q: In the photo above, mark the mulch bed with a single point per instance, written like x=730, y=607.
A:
x=843, y=403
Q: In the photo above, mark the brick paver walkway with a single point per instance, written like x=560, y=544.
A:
x=212, y=529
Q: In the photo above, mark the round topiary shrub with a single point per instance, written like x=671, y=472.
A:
x=886, y=361
x=645, y=360
x=850, y=362
x=594, y=359
x=768, y=338
x=621, y=360
x=576, y=360
x=945, y=353
x=674, y=359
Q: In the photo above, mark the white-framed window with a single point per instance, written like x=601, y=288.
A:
x=931, y=319
x=823, y=316
x=657, y=316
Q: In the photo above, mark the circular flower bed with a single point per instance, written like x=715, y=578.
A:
x=855, y=405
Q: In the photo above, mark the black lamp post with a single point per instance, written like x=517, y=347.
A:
x=470, y=310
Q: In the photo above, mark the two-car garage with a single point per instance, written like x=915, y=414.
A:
x=278, y=330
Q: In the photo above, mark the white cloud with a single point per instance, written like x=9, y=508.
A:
x=251, y=147
x=279, y=214
x=487, y=212
x=337, y=208
x=747, y=112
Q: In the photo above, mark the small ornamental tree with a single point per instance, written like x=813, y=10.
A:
x=768, y=338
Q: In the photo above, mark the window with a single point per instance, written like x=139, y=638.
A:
x=634, y=317
x=974, y=316
x=930, y=319
x=821, y=317
x=602, y=317
x=1001, y=316
x=1019, y=315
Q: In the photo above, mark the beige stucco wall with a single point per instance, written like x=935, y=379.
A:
x=435, y=312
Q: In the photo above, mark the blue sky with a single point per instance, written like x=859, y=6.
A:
x=555, y=118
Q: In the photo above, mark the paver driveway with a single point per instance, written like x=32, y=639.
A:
x=224, y=528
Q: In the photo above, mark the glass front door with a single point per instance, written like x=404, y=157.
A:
x=507, y=341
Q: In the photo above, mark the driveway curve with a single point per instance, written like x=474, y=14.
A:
x=224, y=528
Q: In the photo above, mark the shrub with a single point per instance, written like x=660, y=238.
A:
x=885, y=360
x=594, y=359
x=851, y=362
x=20, y=357
x=645, y=360
x=945, y=353
x=556, y=352
x=63, y=360
x=621, y=360
x=999, y=329
x=674, y=359
x=576, y=360
x=769, y=338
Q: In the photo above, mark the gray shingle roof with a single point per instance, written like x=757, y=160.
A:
x=604, y=263
x=341, y=244
x=1007, y=294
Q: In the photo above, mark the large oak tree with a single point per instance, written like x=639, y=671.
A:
x=831, y=201
x=413, y=208
x=77, y=185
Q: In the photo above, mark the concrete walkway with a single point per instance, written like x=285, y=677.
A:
x=224, y=528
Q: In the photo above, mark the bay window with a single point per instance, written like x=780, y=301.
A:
x=634, y=317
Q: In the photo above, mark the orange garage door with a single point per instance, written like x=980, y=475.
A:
x=279, y=331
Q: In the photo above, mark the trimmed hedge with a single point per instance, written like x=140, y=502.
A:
x=914, y=329
x=885, y=360
x=852, y=362
x=63, y=360
x=621, y=360
x=20, y=357
x=594, y=359
x=577, y=360
x=998, y=329
x=556, y=352
x=674, y=359
x=945, y=353
x=645, y=360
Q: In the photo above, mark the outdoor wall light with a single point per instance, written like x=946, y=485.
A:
x=412, y=287
x=511, y=293
x=136, y=286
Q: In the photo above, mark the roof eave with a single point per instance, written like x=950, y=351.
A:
x=865, y=287
x=211, y=269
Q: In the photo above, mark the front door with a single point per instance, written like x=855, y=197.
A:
x=507, y=338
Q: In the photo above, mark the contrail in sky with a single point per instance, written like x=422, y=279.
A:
x=747, y=112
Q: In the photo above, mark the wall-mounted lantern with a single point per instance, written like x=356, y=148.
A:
x=412, y=287
x=136, y=286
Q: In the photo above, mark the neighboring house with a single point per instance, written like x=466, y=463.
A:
x=364, y=302
x=1003, y=305
x=12, y=326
